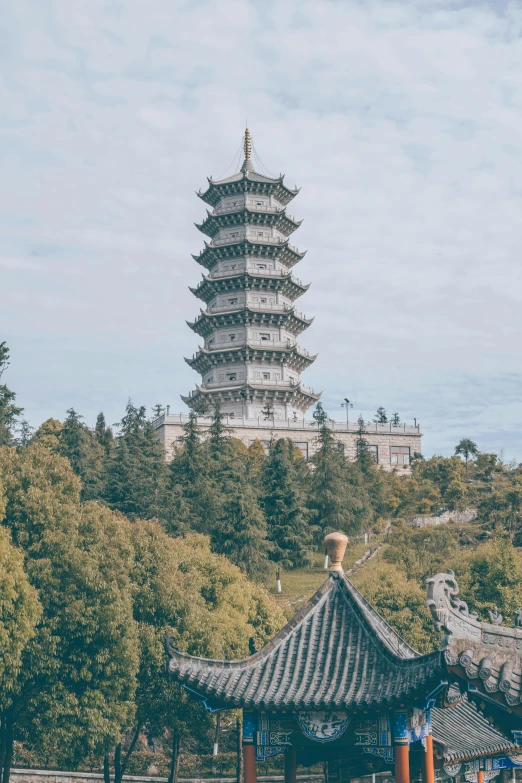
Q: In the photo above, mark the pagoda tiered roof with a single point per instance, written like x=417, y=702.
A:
x=245, y=216
x=248, y=315
x=336, y=653
x=294, y=357
x=283, y=252
x=286, y=284
x=247, y=182
x=278, y=392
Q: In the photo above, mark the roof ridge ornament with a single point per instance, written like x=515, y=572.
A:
x=336, y=544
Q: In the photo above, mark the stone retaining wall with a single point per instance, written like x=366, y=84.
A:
x=54, y=776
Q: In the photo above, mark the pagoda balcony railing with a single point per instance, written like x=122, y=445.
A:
x=241, y=207
x=276, y=308
x=253, y=269
x=255, y=241
x=292, y=424
x=268, y=382
x=268, y=344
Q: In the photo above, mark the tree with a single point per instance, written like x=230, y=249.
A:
x=491, y=576
x=189, y=484
x=9, y=412
x=337, y=499
x=283, y=501
x=84, y=452
x=395, y=420
x=48, y=435
x=204, y=605
x=218, y=434
x=363, y=456
x=20, y=611
x=400, y=601
x=137, y=472
x=75, y=687
x=103, y=433
x=240, y=530
x=466, y=448
x=268, y=411
x=380, y=416
x=25, y=434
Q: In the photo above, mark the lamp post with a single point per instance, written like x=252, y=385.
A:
x=347, y=404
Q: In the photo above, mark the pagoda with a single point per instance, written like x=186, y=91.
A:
x=250, y=361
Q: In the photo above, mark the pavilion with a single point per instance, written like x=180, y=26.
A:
x=338, y=684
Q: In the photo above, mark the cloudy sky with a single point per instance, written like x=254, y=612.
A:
x=402, y=123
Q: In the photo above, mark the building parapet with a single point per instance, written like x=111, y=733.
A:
x=290, y=424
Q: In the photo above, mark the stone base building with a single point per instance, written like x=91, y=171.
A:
x=392, y=447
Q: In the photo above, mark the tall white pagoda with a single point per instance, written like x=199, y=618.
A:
x=250, y=361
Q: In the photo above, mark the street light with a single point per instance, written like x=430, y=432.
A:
x=346, y=404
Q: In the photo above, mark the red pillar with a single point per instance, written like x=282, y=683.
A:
x=401, y=742
x=290, y=766
x=428, y=767
x=249, y=763
x=402, y=764
x=480, y=776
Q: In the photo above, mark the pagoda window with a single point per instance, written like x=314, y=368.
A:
x=209, y=379
x=232, y=337
x=261, y=266
x=266, y=376
x=232, y=266
x=232, y=301
x=374, y=451
x=232, y=376
x=264, y=336
x=263, y=300
x=211, y=341
x=400, y=455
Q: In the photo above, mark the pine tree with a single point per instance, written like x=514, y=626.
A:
x=189, y=482
x=103, y=433
x=363, y=456
x=337, y=498
x=9, y=412
x=80, y=446
x=284, y=503
x=25, y=434
x=380, y=416
x=396, y=420
x=218, y=433
x=137, y=471
x=240, y=531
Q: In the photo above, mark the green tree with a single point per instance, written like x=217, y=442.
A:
x=467, y=449
x=491, y=576
x=337, y=498
x=240, y=530
x=395, y=420
x=137, y=475
x=400, y=601
x=205, y=606
x=190, y=490
x=380, y=416
x=20, y=610
x=103, y=433
x=284, y=503
x=363, y=455
x=75, y=687
x=9, y=412
x=84, y=452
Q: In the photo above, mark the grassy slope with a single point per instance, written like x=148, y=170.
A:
x=300, y=584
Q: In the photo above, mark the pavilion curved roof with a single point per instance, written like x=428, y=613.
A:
x=336, y=652
x=463, y=733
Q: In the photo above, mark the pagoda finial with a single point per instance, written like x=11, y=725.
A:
x=247, y=146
